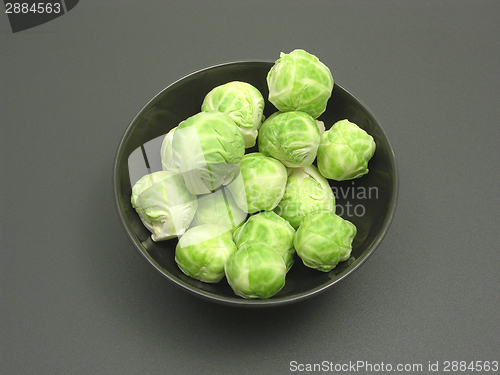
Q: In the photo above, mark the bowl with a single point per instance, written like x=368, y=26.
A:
x=368, y=202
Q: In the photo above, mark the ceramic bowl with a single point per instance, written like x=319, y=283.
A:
x=368, y=202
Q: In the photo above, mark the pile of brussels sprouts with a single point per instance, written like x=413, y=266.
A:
x=244, y=216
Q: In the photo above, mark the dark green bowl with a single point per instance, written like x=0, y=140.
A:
x=368, y=202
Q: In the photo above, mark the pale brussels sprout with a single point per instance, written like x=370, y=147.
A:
x=344, y=151
x=163, y=204
x=242, y=102
x=306, y=191
x=270, y=228
x=298, y=81
x=202, y=252
x=255, y=270
x=219, y=208
x=261, y=185
x=321, y=126
x=291, y=137
x=323, y=240
x=206, y=149
x=166, y=155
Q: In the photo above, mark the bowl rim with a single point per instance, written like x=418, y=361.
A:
x=237, y=301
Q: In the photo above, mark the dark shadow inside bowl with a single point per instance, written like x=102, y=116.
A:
x=368, y=202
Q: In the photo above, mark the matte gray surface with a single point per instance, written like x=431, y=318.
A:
x=76, y=298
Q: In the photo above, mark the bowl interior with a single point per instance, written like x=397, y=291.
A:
x=368, y=202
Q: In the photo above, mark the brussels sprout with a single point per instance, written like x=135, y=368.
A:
x=306, y=191
x=321, y=124
x=298, y=81
x=202, y=252
x=261, y=185
x=291, y=137
x=270, y=228
x=344, y=151
x=255, y=270
x=166, y=152
x=323, y=240
x=219, y=208
x=206, y=149
x=163, y=204
x=242, y=102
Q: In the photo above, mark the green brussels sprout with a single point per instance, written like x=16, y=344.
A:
x=323, y=240
x=219, y=208
x=242, y=102
x=261, y=185
x=298, y=81
x=344, y=151
x=255, y=270
x=270, y=228
x=291, y=137
x=206, y=149
x=202, y=252
x=163, y=204
x=167, y=160
x=306, y=191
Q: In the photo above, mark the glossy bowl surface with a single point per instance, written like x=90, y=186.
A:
x=368, y=202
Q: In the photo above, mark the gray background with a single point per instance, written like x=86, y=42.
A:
x=76, y=297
